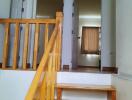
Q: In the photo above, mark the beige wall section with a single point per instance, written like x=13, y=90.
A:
x=85, y=59
x=124, y=88
x=123, y=82
x=124, y=36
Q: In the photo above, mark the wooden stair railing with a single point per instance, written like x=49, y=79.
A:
x=7, y=23
x=43, y=84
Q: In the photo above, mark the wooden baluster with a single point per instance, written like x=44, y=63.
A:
x=16, y=42
x=6, y=45
x=46, y=36
x=25, y=49
x=36, y=41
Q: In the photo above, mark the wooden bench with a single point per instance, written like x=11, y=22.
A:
x=111, y=91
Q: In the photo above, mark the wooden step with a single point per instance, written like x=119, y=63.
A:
x=111, y=91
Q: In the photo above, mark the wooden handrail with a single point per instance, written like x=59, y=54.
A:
x=31, y=21
x=43, y=79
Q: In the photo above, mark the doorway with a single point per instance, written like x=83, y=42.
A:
x=89, y=18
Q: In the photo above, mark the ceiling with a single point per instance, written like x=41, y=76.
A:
x=89, y=7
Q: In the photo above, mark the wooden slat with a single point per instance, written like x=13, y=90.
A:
x=16, y=42
x=25, y=49
x=31, y=21
x=46, y=36
x=6, y=45
x=36, y=41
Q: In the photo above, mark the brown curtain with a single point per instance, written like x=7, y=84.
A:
x=90, y=40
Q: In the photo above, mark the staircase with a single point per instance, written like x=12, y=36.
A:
x=69, y=87
x=77, y=81
x=41, y=82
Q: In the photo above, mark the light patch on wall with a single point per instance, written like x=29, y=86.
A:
x=89, y=17
x=89, y=56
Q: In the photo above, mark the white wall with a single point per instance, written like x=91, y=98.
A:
x=4, y=13
x=87, y=59
x=108, y=49
x=14, y=85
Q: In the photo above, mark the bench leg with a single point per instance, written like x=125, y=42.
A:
x=59, y=94
x=111, y=95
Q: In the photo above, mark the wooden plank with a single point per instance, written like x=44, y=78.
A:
x=36, y=41
x=31, y=21
x=25, y=49
x=16, y=42
x=6, y=45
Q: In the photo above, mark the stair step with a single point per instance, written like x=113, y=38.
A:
x=87, y=87
x=111, y=91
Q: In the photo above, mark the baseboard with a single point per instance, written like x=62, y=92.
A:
x=28, y=65
x=66, y=67
x=110, y=69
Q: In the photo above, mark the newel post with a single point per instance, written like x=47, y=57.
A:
x=59, y=19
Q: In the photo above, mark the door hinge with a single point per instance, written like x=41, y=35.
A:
x=22, y=9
